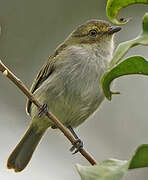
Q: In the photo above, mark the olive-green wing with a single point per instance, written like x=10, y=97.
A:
x=44, y=73
x=46, y=70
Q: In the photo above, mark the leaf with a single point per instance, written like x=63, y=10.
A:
x=113, y=7
x=123, y=48
x=131, y=65
x=140, y=158
x=112, y=169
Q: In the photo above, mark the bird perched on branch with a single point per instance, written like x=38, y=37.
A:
x=69, y=83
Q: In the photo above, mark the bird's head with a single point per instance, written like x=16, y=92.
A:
x=93, y=31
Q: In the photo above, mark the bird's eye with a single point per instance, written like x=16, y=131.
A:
x=93, y=32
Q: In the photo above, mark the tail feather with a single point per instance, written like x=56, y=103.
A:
x=22, y=153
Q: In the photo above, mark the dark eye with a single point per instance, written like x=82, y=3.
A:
x=93, y=32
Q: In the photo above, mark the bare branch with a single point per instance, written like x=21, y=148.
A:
x=6, y=72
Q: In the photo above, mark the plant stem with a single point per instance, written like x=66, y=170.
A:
x=6, y=72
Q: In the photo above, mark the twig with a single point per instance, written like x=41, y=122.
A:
x=52, y=117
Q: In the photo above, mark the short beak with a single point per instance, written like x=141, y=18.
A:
x=114, y=29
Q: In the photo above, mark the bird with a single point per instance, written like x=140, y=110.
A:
x=69, y=84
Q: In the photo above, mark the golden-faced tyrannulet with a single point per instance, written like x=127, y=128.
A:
x=69, y=82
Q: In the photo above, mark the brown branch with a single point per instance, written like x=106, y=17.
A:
x=52, y=117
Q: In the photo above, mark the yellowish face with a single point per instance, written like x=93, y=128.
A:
x=93, y=31
x=98, y=26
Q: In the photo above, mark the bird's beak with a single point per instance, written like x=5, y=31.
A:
x=114, y=29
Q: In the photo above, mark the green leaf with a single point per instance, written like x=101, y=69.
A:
x=107, y=170
x=132, y=65
x=140, y=158
x=114, y=169
x=123, y=48
x=113, y=7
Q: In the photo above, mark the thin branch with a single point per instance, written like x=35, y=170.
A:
x=6, y=72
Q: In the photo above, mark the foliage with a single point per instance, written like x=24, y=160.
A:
x=114, y=169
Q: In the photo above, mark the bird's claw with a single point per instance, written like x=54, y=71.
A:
x=43, y=109
x=78, y=145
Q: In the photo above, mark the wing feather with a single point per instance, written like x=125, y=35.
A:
x=46, y=70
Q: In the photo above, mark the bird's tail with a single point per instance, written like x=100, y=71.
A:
x=22, y=153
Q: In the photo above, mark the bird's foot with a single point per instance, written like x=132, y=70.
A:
x=78, y=145
x=43, y=109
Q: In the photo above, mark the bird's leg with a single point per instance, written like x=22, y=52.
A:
x=78, y=144
x=43, y=109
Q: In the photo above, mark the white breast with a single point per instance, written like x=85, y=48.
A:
x=73, y=91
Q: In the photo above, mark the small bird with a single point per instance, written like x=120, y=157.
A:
x=69, y=83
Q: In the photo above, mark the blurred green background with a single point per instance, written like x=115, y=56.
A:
x=31, y=30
